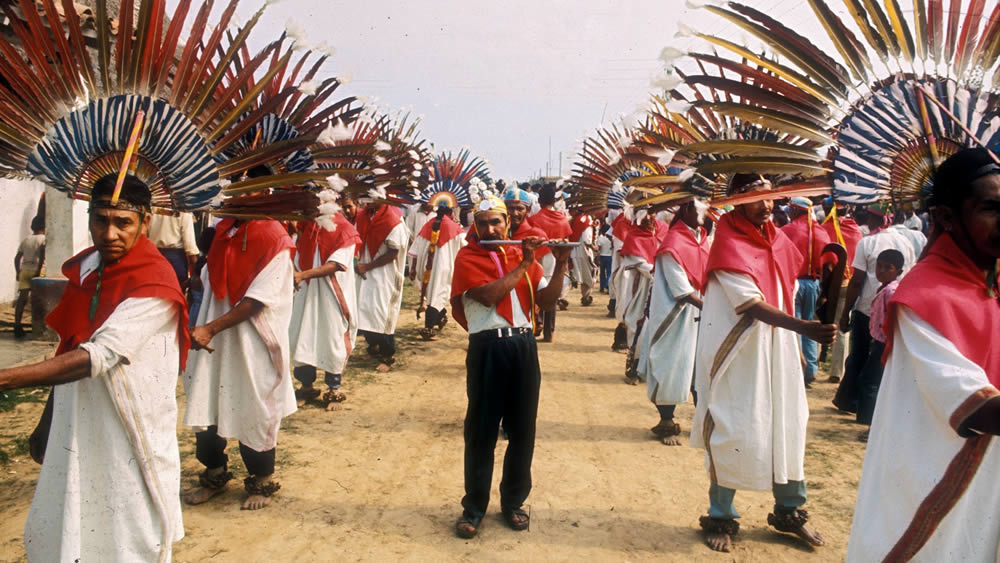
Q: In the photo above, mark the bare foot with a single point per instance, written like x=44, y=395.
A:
x=671, y=441
x=383, y=367
x=719, y=542
x=810, y=536
x=631, y=380
x=620, y=350
x=202, y=494
x=331, y=407
x=258, y=501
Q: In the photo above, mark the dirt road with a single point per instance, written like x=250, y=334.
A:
x=382, y=479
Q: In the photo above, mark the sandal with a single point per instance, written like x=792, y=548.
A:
x=466, y=527
x=508, y=516
x=334, y=396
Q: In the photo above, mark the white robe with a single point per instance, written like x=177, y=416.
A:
x=616, y=266
x=670, y=335
x=633, y=292
x=439, y=286
x=322, y=333
x=109, y=489
x=928, y=389
x=245, y=386
x=380, y=291
x=752, y=410
x=583, y=269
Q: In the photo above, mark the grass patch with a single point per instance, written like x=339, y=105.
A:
x=15, y=448
x=10, y=399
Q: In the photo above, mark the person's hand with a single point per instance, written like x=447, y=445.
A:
x=195, y=283
x=824, y=334
x=201, y=336
x=361, y=269
x=561, y=252
x=845, y=321
x=299, y=278
x=529, y=245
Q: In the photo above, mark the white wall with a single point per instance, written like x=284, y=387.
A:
x=18, y=203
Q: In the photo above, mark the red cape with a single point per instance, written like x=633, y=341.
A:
x=798, y=232
x=690, y=253
x=553, y=223
x=312, y=235
x=374, y=229
x=525, y=230
x=949, y=292
x=643, y=243
x=231, y=269
x=741, y=247
x=449, y=229
x=579, y=224
x=476, y=266
x=620, y=227
x=143, y=272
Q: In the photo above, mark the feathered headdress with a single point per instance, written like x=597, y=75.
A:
x=899, y=93
x=451, y=177
x=203, y=111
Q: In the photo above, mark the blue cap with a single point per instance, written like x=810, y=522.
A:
x=800, y=202
x=519, y=195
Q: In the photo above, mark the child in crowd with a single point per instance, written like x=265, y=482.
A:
x=888, y=269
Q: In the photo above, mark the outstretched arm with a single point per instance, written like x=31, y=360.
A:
x=761, y=311
x=63, y=368
x=323, y=271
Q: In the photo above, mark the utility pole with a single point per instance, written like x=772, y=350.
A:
x=560, y=164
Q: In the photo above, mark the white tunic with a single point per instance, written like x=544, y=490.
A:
x=752, y=411
x=633, y=292
x=582, y=268
x=670, y=335
x=245, y=386
x=439, y=286
x=380, y=291
x=323, y=330
x=109, y=489
x=928, y=389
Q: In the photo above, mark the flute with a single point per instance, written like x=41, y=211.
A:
x=552, y=244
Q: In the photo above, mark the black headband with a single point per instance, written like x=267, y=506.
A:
x=984, y=170
x=122, y=205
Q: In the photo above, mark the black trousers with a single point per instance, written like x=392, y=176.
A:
x=307, y=376
x=503, y=379
x=433, y=317
x=548, y=323
x=381, y=346
x=210, y=449
x=850, y=386
x=869, y=383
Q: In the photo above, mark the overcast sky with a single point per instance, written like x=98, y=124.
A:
x=500, y=77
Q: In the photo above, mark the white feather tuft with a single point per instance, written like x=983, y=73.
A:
x=678, y=106
x=335, y=132
x=345, y=79
x=327, y=196
x=684, y=30
x=418, y=166
x=326, y=222
x=379, y=171
x=686, y=175
x=325, y=49
x=308, y=87
x=665, y=157
x=378, y=192
x=380, y=160
x=670, y=54
x=337, y=183
x=382, y=146
x=666, y=81
x=297, y=34
x=413, y=154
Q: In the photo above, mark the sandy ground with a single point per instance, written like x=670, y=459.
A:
x=382, y=479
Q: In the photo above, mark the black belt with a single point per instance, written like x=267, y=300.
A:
x=503, y=332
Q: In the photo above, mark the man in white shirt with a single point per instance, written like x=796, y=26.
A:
x=860, y=294
x=174, y=237
x=494, y=294
x=604, y=249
